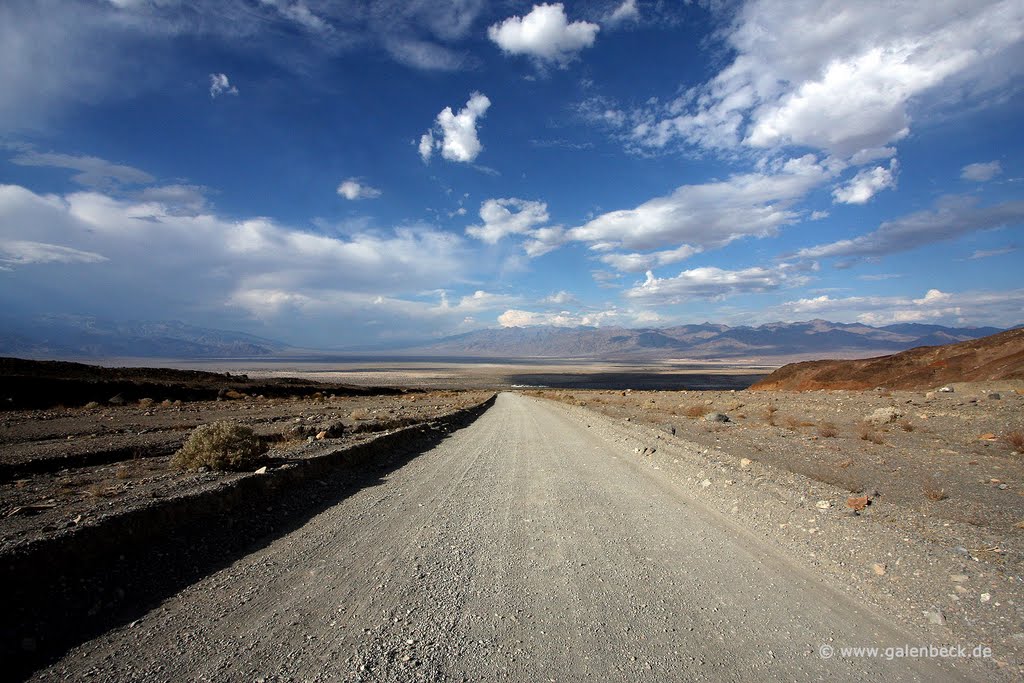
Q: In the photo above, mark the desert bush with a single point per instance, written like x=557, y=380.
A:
x=791, y=422
x=932, y=489
x=695, y=411
x=360, y=414
x=92, y=404
x=146, y=402
x=827, y=430
x=769, y=414
x=1015, y=440
x=867, y=432
x=220, y=446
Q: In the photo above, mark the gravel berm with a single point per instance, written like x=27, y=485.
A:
x=525, y=547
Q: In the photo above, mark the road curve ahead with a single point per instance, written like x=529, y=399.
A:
x=526, y=547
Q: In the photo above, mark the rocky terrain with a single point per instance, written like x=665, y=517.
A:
x=993, y=358
x=957, y=455
x=63, y=468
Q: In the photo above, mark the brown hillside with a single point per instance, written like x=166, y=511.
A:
x=998, y=357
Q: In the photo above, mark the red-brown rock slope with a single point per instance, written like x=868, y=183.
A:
x=998, y=357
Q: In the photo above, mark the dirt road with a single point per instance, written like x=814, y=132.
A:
x=526, y=547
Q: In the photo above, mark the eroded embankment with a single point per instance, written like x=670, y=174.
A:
x=66, y=589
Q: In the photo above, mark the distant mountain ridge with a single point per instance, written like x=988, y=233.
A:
x=87, y=337
x=813, y=338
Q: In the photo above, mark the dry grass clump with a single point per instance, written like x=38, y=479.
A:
x=906, y=425
x=91, y=405
x=146, y=402
x=1015, y=440
x=696, y=410
x=867, y=432
x=932, y=489
x=360, y=414
x=769, y=415
x=827, y=430
x=220, y=446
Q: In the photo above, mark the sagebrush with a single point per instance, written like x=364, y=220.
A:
x=220, y=446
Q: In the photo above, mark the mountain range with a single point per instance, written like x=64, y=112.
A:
x=58, y=336
x=707, y=341
x=87, y=337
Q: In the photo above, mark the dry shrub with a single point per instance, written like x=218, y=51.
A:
x=932, y=489
x=1014, y=440
x=906, y=425
x=360, y=414
x=791, y=422
x=92, y=405
x=827, y=430
x=100, y=490
x=220, y=446
x=696, y=411
x=146, y=402
x=867, y=432
x=769, y=415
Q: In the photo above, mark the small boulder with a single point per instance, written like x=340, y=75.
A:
x=745, y=463
x=946, y=390
x=884, y=416
x=995, y=396
x=717, y=417
x=117, y=400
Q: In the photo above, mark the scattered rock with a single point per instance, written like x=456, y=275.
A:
x=823, y=504
x=958, y=578
x=935, y=617
x=320, y=436
x=706, y=483
x=884, y=416
x=994, y=396
x=717, y=417
x=117, y=400
x=946, y=390
x=262, y=470
x=1003, y=487
x=857, y=503
x=745, y=463
x=985, y=597
x=879, y=568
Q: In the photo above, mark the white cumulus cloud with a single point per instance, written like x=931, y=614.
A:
x=714, y=283
x=457, y=136
x=511, y=216
x=956, y=216
x=866, y=184
x=353, y=188
x=544, y=34
x=627, y=11
x=710, y=215
x=220, y=85
x=981, y=172
x=837, y=76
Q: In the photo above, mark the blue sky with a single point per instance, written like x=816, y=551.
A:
x=335, y=173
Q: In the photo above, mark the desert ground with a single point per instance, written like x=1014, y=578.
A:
x=500, y=522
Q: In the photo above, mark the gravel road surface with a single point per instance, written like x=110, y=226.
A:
x=526, y=547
